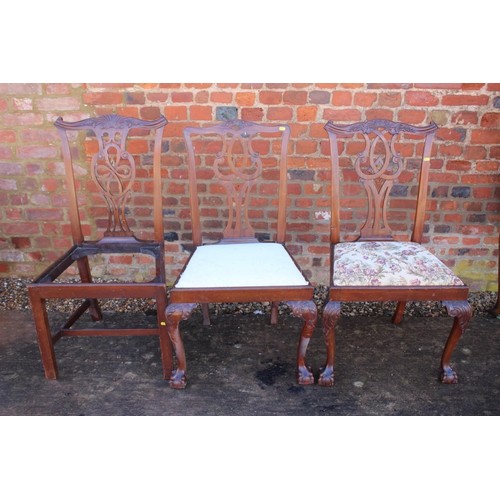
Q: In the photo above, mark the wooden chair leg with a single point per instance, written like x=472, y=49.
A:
x=86, y=277
x=308, y=311
x=175, y=313
x=274, y=313
x=461, y=310
x=206, y=314
x=331, y=314
x=45, y=342
x=399, y=313
x=165, y=342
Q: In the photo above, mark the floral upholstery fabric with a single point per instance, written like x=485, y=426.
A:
x=389, y=263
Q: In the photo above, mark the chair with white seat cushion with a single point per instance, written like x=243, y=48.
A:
x=377, y=266
x=237, y=172
x=232, y=265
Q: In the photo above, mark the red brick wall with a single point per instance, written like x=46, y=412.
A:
x=464, y=201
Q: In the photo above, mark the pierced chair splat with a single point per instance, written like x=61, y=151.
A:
x=229, y=263
x=496, y=308
x=113, y=169
x=377, y=266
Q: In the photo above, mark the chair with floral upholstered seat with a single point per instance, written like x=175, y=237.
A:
x=377, y=266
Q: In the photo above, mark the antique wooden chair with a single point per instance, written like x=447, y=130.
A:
x=113, y=170
x=376, y=266
x=238, y=160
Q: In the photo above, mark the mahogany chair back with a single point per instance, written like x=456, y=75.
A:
x=237, y=159
x=379, y=159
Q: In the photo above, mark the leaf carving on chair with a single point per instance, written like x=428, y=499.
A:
x=370, y=126
x=238, y=167
x=113, y=170
x=378, y=166
x=460, y=309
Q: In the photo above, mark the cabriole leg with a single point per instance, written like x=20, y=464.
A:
x=308, y=311
x=331, y=314
x=175, y=313
x=461, y=310
x=165, y=343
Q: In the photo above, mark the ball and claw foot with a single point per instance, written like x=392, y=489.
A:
x=304, y=376
x=326, y=377
x=177, y=380
x=448, y=376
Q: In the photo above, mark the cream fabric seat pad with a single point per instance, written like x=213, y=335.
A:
x=389, y=263
x=240, y=265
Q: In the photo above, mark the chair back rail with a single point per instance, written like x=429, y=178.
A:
x=378, y=166
x=237, y=168
x=113, y=170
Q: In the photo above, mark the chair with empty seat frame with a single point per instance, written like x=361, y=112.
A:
x=236, y=158
x=377, y=266
x=113, y=169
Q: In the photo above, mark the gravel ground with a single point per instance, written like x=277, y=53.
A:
x=13, y=296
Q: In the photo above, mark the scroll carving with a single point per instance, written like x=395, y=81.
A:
x=460, y=309
x=113, y=170
x=113, y=167
x=378, y=166
x=235, y=171
x=370, y=126
x=238, y=173
x=116, y=122
x=236, y=125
